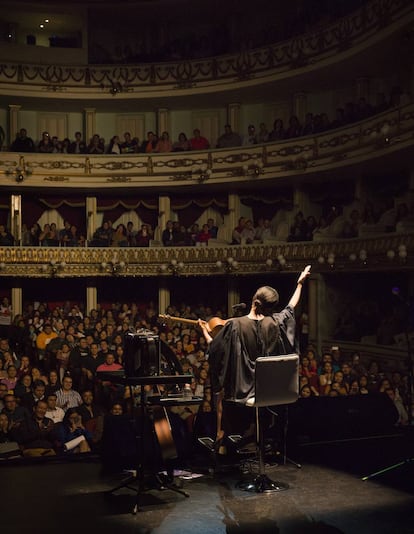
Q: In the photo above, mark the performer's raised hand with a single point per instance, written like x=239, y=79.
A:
x=304, y=274
x=205, y=329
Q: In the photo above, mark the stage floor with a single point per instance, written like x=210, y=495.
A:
x=324, y=496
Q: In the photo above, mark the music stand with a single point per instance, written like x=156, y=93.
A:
x=142, y=356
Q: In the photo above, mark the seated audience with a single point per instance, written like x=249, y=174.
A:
x=164, y=144
x=36, y=434
x=229, y=138
x=73, y=435
x=198, y=142
x=22, y=143
x=183, y=144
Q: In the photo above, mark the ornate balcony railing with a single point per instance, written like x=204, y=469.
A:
x=348, y=35
x=386, y=252
x=375, y=137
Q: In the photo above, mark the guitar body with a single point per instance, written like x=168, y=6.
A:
x=161, y=422
x=162, y=428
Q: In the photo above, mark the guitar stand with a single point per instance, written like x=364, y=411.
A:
x=161, y=481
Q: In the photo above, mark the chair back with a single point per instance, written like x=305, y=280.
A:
x=276, y=380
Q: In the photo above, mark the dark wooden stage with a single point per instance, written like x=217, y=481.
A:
x=325, y=495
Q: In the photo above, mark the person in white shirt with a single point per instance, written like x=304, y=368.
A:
x=54, y=412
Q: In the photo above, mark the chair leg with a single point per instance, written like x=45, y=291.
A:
x=261, y=483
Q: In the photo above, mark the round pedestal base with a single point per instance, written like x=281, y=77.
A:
x=262, y=484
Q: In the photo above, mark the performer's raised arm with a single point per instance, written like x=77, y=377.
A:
x=297, y=293
x=206, y=332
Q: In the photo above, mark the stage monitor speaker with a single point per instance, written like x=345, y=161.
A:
x=142, y=354
x=317, y=419
x=119, y=443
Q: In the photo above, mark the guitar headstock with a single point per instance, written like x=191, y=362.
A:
x=165, y=317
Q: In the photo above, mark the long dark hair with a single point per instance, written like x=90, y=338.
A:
x=265, y=300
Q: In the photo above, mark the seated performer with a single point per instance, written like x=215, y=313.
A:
x=233, y=351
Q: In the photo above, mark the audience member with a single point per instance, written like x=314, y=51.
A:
x=183, y=144
x=23, y=143
x=229, y=138
x=198, y=142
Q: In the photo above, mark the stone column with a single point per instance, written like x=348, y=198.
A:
x=14, y=122
x=16, y=218
x=163, y=121
x=16, y=301
x=234, y=213
x=90, y=123
x=299, y=106
x=91, y=217
x=233, y=117
x=164, y=296
x=91, y=298
x=233, y=295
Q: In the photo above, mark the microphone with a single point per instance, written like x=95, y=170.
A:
x=239, y=306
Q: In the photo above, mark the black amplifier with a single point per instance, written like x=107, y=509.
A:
x=142, y=353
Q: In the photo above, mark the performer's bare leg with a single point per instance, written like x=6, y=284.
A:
x=219, y=412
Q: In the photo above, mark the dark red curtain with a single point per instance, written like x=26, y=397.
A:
x=147, y=208
x=190, y=209
x=72, y=209
x=4, y=209
x=268, y=206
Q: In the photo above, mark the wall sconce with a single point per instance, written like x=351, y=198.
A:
x=255, y=169
x=282, y=260
x=278, y=264
x=382, y=135
x=20, y=172
x=402, y=252
x=54, y=267
x=113, y=267
x=229, y=265
x=201, y=173
x=390, y=254
x=330, y=260
x=385, y=133
x=363, y=256
x=115, y=87
x=174, y=267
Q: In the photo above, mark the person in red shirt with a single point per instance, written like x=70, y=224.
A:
x=198, y=142
x=109, y=391
x=204, y=235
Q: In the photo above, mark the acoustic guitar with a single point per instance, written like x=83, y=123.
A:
x=161, y=421
x=214, y=325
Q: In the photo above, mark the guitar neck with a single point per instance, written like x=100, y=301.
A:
x=179, y=319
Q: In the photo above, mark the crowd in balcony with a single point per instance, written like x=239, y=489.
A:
x=269, y=26
x=314, y=123
x=339, y=222
x=52, y=356
x=97, y=145
x=333, y=224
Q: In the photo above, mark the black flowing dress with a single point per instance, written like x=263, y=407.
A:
x=233, y=352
